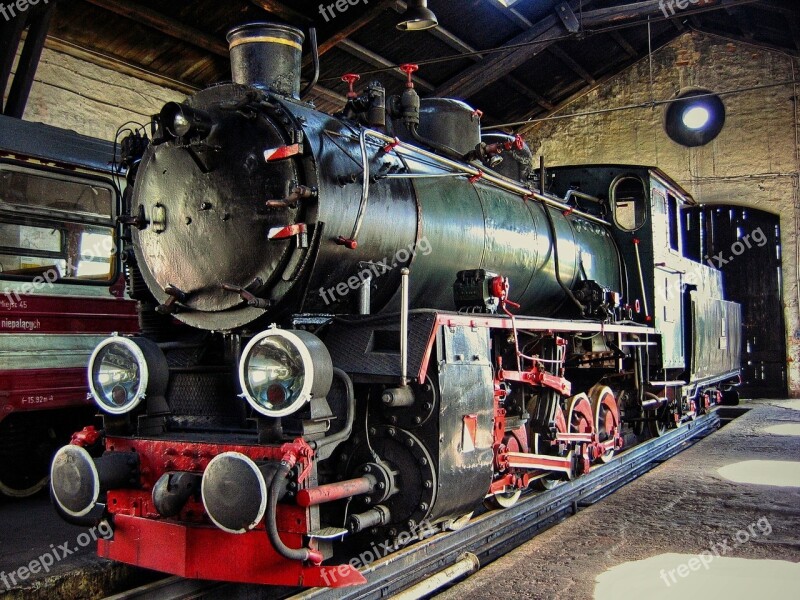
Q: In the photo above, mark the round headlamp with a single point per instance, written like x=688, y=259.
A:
x=122, y=371
x=281, y=370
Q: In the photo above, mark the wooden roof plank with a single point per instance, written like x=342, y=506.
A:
x=169, y=26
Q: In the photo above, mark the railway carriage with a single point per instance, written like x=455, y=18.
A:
x=61, y=290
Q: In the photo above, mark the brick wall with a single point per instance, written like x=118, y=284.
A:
x=752, y=162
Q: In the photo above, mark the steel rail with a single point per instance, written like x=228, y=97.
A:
x=496, y=533
x=487, y=537
x=170, y=588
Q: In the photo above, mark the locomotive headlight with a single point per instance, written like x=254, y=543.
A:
x=182, y=121
x=281, y=370
x=181, y=125
x=122, y=371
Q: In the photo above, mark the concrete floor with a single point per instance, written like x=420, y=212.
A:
x=646, y=541
x=698, y=526
x=34, y=538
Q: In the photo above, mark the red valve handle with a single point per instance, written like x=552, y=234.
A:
x=346, y=242
x=350, y=79
x=408, y=69
x=518, y=142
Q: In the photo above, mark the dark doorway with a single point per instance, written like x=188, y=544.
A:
x=745, y=244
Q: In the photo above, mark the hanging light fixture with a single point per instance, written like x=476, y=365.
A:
x=695, y=117
x=417, y=17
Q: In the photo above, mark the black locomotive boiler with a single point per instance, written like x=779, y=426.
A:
x=356, y=325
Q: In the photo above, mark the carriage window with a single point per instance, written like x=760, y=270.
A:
x=56, y=228
x=628, y=200
x=25, y=189
x=57, y=251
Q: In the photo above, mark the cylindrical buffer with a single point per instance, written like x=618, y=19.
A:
x=234, y=491
x=77, y=479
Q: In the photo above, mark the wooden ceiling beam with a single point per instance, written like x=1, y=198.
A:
x=368, y=56
x=571, y=63
x=456, y=43
x=116, y=64
x=623, y=43
x=612, y=15
x=357, y=25
x=738, y=38
x=549, y=30
x=543, y=33
x=280, y=10
x=511, y=14
x=289, y=14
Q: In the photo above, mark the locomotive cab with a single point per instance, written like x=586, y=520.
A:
x=672, y=283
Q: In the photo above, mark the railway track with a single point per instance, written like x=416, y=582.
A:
x=421, y=568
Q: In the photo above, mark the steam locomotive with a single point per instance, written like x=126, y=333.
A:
x=360, y=323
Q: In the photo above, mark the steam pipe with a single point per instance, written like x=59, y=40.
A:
x=404, y=327
x=470, y=170
x=351, y=414
x=362, y=140
x=336, y=491
x=554, y=237
x=312, y=38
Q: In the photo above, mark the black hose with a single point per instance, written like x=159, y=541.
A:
x=345, y=432
x=276, y=490
x=312, y=37
x=554, y=243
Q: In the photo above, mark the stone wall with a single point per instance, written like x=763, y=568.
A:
x=74, y=94
x=753, y=162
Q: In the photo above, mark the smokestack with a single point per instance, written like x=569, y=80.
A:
x=267, y=56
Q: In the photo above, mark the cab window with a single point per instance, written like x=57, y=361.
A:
x=628, y=196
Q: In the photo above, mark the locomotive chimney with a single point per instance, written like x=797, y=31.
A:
x=267, y=56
